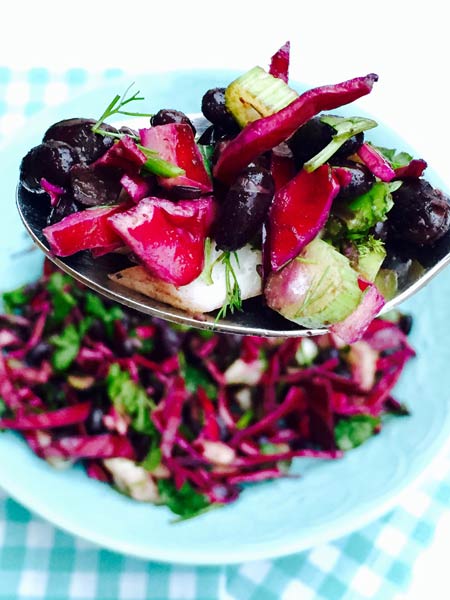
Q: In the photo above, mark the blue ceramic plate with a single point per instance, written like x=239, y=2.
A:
x=271, y=519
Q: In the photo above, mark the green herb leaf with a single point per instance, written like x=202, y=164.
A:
x=185, y=502
x=397, y=159
x=233, y=291
x=15, y=299
x=354, y=431
x=95, y=307
x=130, y=398
x=152, y=460
x=3, y=407
x=195, y=377
x=116, y=106
x=67, y=346
x=59, y=286
x=207, y=151
x=345, y=127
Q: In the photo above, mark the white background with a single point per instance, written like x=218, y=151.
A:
x=406, y=43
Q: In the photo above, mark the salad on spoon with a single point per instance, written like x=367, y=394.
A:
x=270, y=214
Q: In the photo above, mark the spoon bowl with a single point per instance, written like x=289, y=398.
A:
x=255, y=318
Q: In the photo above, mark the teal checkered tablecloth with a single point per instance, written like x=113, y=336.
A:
x=39, y=561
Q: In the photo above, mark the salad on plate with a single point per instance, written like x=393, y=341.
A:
x=279, y=197
x=178, y=416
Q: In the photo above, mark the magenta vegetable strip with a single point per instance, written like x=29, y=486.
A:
x=266, y=133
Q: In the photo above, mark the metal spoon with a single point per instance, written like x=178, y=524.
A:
x=255, y=319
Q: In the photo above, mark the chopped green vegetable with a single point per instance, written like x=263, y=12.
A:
x=67, y=346
x=185, y=502
x=257, y=94
x=397, y=159
x=345, y=127
x=370, y=208
x=3, y=407
x=354, y=431
x=245, y=419
x=158, y=166
x=371, y=254
x=130, y=398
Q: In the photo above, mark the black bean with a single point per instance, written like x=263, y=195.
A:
x=79, y=135
x=421, y=213
x=169, y=115
x=313, y=136
x=244, y=209
x=50, y=160
x=405, y=323
x=94, y=422
x=215, y=110
x=95, y=186
x=361, y=181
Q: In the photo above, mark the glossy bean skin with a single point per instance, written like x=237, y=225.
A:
x=360, y=183
x=421, y=213
x=50, y=160
x=95, y=187
x=78, y=133
x=169, y=115
x=244, y=208
x=215, y=110
x=313, y=136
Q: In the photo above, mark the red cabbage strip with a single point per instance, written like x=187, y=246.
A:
x=9, y=338
x=171, y=408
x=376, y=162
x=250, y=461
x=321, y=418
x=54, y=191
x=414, y=169
x=211, y=429
x=95, y=470
x=268, y=383
x=70, y=415
x=279, y=63
x=7, y=392
x=36, y=334
x=224, y=409
x=261, y=475
x=105, y=445
x=266, y=133
x=293, y=399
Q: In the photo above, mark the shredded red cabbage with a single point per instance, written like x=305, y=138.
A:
x=82, y=380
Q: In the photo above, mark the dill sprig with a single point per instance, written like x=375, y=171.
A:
x=233, y=299
x=115, y=107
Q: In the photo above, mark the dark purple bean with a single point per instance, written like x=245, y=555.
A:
x=94, y=422
x=169, y=115
x=38, y=353
x=313, y=136
x=361, y=182
x=405, y=323
x=244, y=208
x=66, y=206
x=421, y=213
x=215, y=110
x=95, y=186
x=78, y=133
x=50, y=160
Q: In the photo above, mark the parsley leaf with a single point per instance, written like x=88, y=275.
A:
x=95, y=307
x=130, y=398
x=185, y=502
x=67, y=346
x=195, y=377
x=354, y=431
x=397, y=159
x=15, y=299
x=62, y=300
